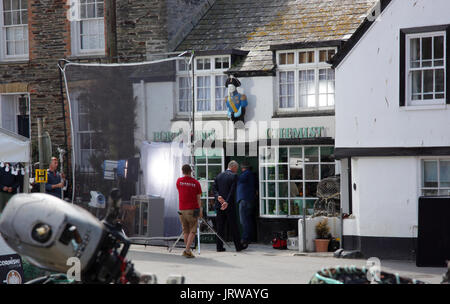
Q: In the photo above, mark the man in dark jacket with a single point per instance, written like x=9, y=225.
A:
x=224, y=189
x=55, y=181
x=8, y=185
x=245, y=196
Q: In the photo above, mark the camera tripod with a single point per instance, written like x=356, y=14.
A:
x=201, y=220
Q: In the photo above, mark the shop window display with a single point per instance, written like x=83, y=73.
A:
x=208, y=164
x=289, y=176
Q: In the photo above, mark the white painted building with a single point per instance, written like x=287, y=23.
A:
x=392, y=122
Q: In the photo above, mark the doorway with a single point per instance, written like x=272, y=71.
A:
x=253, y=162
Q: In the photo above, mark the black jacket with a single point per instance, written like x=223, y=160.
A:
x=225, y=186
x=8, y=180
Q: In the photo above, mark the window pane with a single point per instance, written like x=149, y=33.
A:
x=284, y=207
x=296, y=189
x=327, y=171
x=213, y=171
x=296, y=207
x=225, y=63
x=302, y=58
x=428, y=83
x=271, y=190
x=430, y=174
x=207, y=64
x=271, y=172
x=439, y=80
x=7, y=5
x=323, y=55
x=290, y=58
x=283, y=190
x=282, y=58
x=100, y=10
x=416, y=85
x=311, y=189
x=415, y=52
x=311, y=57
x=444, y=172
x=85, y=141
x=282, y=172
x=283, y=154
x=311, y=154
x=7, y=18
x=272, y=207
x=15, y=4
x=438, y=50
x=201, y=172
x=311, y=172
x=326, y=154
x=24, y=4
x=426, y=51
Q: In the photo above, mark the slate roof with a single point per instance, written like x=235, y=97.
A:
x=256, y=25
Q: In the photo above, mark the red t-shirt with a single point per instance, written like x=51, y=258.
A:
x=188, y=189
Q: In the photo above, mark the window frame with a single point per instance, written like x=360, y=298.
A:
x=16, y=96
x=4, y=57
x=422, y=187
x=206, y=210
x=408, y=73
x=75, y=29
x=78, y=133
x=263, y=180
x=404, y=86
x=296, y=67
x=212, y=72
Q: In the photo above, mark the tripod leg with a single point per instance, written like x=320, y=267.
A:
x=211, y=228
x=198, y=237
x=176, y=242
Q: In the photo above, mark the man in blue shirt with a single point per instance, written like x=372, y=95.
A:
x=245, y=196
x=55, y=181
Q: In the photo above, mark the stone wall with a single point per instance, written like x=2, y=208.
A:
x=143, y=27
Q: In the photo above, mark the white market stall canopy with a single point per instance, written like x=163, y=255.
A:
x=13, y=147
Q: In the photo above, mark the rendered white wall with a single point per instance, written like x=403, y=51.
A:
x=385, y=201
x=367, y=85
x=161, y=96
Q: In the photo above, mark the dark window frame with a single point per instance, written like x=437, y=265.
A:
x=403, y=58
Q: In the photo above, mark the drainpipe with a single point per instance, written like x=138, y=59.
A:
x=144, y=97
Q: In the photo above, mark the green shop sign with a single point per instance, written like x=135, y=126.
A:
x=292, y=133
x=165, y=136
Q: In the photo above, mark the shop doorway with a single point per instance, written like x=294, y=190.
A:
x=253, y=162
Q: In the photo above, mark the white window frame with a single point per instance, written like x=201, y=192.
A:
x=409, y=70
x=78, y=133
x=212, y=72
x=16, y=95
x=3, y=51
x=207, y=198
x=264, y=198
x=76, y=34
x=422, y=188
x=296, y=67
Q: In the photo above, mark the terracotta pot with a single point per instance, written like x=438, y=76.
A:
x=321, y=245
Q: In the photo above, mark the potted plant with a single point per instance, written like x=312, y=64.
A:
x=322, y=233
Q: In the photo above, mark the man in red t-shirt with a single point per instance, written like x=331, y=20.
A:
x=189, y=192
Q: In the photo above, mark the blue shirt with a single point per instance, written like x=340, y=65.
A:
x=246, y=186
x=53, y=178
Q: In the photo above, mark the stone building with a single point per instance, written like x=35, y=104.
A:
x=35, y=34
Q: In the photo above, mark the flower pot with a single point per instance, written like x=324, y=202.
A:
x=321, y=245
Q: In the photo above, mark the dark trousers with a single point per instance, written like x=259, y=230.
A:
x=247, y=220
x=229, y=217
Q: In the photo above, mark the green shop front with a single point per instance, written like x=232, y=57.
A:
x=288, y=164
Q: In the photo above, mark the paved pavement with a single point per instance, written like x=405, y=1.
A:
x=258, y=264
